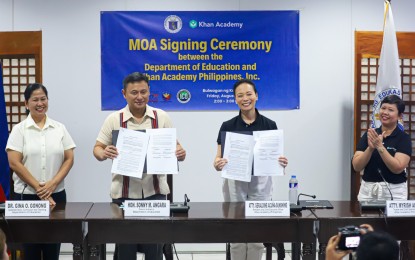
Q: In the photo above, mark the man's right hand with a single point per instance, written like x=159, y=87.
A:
x=110, y=152
x=103, y=152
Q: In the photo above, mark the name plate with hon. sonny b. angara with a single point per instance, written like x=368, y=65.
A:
x=267, y=208
x=147, y=208
x=27, y=208
x=400, y=208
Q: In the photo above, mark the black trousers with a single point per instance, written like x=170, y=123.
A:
x=42, y=251
x=129, y=251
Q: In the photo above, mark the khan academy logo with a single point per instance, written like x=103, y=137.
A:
x=193, y=24
x=173, y=24
x=183, y=96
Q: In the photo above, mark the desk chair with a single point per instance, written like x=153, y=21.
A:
x=268, y=250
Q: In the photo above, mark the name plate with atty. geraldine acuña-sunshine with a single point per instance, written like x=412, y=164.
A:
x=267, y=208
x=400, y=208
x=27, y=208
x=147, y=208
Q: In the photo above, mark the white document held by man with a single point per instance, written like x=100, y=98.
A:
x=238, y=151
x=269, y=146
x=132, y=149
x=161, y=153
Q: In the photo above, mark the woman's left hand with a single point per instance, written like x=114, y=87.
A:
x=51, y=201
x=46, y=189
x=374, y=139
x=283, y=161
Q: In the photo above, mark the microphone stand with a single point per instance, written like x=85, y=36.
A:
x=386, y=183
x=186, y=200
x=302, y=194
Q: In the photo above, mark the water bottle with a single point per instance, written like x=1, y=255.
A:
x=293, y=190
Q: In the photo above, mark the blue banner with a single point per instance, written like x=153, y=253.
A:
x=194, y=58
x=4, y=135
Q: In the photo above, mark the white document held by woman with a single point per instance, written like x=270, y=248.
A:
x=132, y=149
x=239, y=153
x=269, y=146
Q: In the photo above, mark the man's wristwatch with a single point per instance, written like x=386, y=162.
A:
x=381, y=150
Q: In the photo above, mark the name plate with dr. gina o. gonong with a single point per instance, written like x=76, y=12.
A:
x=27, y=208
x=400, y=208
x=147, y=208
x=267, y=208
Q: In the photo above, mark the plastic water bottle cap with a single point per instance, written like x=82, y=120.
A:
x=293, y=176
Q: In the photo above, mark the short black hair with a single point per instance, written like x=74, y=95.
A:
x=377, y=246
x=32, y=87
x=241, y=81
x=393, y=99
x=134, y=77
x=29, y=90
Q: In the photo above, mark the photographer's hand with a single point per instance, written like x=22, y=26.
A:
x=364, y=228
x=331, y=250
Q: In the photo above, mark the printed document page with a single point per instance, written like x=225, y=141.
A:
x=238, y=152
x=161, y=153
x=269, y=146
x=132, y=149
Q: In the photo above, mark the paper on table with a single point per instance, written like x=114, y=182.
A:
x=269, y=146
x=161, y=152
x=132, y=149
x=238, y=152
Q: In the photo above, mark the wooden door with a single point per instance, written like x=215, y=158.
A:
x=21, y=59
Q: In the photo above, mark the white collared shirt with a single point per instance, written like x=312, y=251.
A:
x=42, y=150
x=138, y=188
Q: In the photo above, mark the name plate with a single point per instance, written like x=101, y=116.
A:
x=400, y=208
x=27, y=208
x=146, y=208
x=267, y=208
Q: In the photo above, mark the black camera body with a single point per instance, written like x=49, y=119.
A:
x=349, y=238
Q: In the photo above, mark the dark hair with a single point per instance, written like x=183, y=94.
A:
x=2, y=243
x=134, y=77
x=32, y=87
x=241, y=81
x=377, y=246
x=393, y=99
x=29, y=90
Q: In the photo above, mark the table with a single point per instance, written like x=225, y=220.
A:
x=349, y=213
x=64, y=225
x=206, y=222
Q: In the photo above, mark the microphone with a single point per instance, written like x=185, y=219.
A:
x=186, y=200
x=302, y=194
x=21, y=195
x=387, y=184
